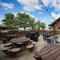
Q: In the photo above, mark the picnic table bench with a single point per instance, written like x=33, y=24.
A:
x=4, y=49
x=3, y=39
x=30, y=47
x=10, y=52
x=7, y=44
x=50, y=52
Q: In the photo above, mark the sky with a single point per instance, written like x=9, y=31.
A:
x=33, y=8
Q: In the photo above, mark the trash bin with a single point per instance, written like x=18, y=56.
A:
x=33, y=36
x=46, y=35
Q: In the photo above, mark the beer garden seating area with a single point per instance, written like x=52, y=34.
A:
x=13, y=44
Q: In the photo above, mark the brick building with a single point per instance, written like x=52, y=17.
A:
x=55, y=26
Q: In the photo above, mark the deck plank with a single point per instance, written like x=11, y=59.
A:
x=45, y=48
x=48, y=50
x=54, y=56
x=47, y=55
x=58, y=58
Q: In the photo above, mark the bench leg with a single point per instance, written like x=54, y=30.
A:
x=4, y=41
x=39, y=58
x=13, y=54
x=31, y=49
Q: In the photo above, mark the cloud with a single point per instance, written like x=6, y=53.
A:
x=39, y=12
x=46, y=2
x=52, y=3
x=56, y=4
x=6, y=8
x=37, y=19
x=1, y=18
x=44, y=19
x=31, y=15
x=30, y=5
x=14, y=13
x=56, y=16
x=41, y=19
x=7, y=5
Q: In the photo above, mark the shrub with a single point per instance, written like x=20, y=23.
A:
x=13, y=31
x=54, y=33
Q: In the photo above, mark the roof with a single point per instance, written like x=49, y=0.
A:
x=2, y=26
x=54, y=22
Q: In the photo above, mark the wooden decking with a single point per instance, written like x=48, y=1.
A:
x=50, y=52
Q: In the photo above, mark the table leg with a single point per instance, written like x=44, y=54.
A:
x=13, y=54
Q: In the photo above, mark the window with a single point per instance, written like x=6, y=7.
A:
x=58, y=28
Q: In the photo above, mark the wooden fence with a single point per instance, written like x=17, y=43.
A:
x=23, y=33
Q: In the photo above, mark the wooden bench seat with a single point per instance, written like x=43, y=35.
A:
x=30, y=47
x=33, y=43
x=7, y=44
x=12, y=52
x=4, y=40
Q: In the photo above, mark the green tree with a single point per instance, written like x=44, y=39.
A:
x=16, y=22
x=32, y=23
x=9, y=19
x=43, y=25
x=38, y=24
x=23, y=19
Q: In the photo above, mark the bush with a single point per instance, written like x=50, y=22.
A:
x=13, y=31
x=54, y=33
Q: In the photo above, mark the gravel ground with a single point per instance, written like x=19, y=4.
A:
x=26, y=55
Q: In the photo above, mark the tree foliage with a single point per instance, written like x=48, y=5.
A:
x=38, y=24
x=32, y=23
x=23, y=19
x=43, y=25
x=9, y=19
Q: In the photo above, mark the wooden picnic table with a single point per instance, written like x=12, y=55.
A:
x=23, y=40
x=10, y=36
x=50, y=52
x=19, y=40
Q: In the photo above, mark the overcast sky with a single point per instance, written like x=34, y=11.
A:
x=32, y=7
